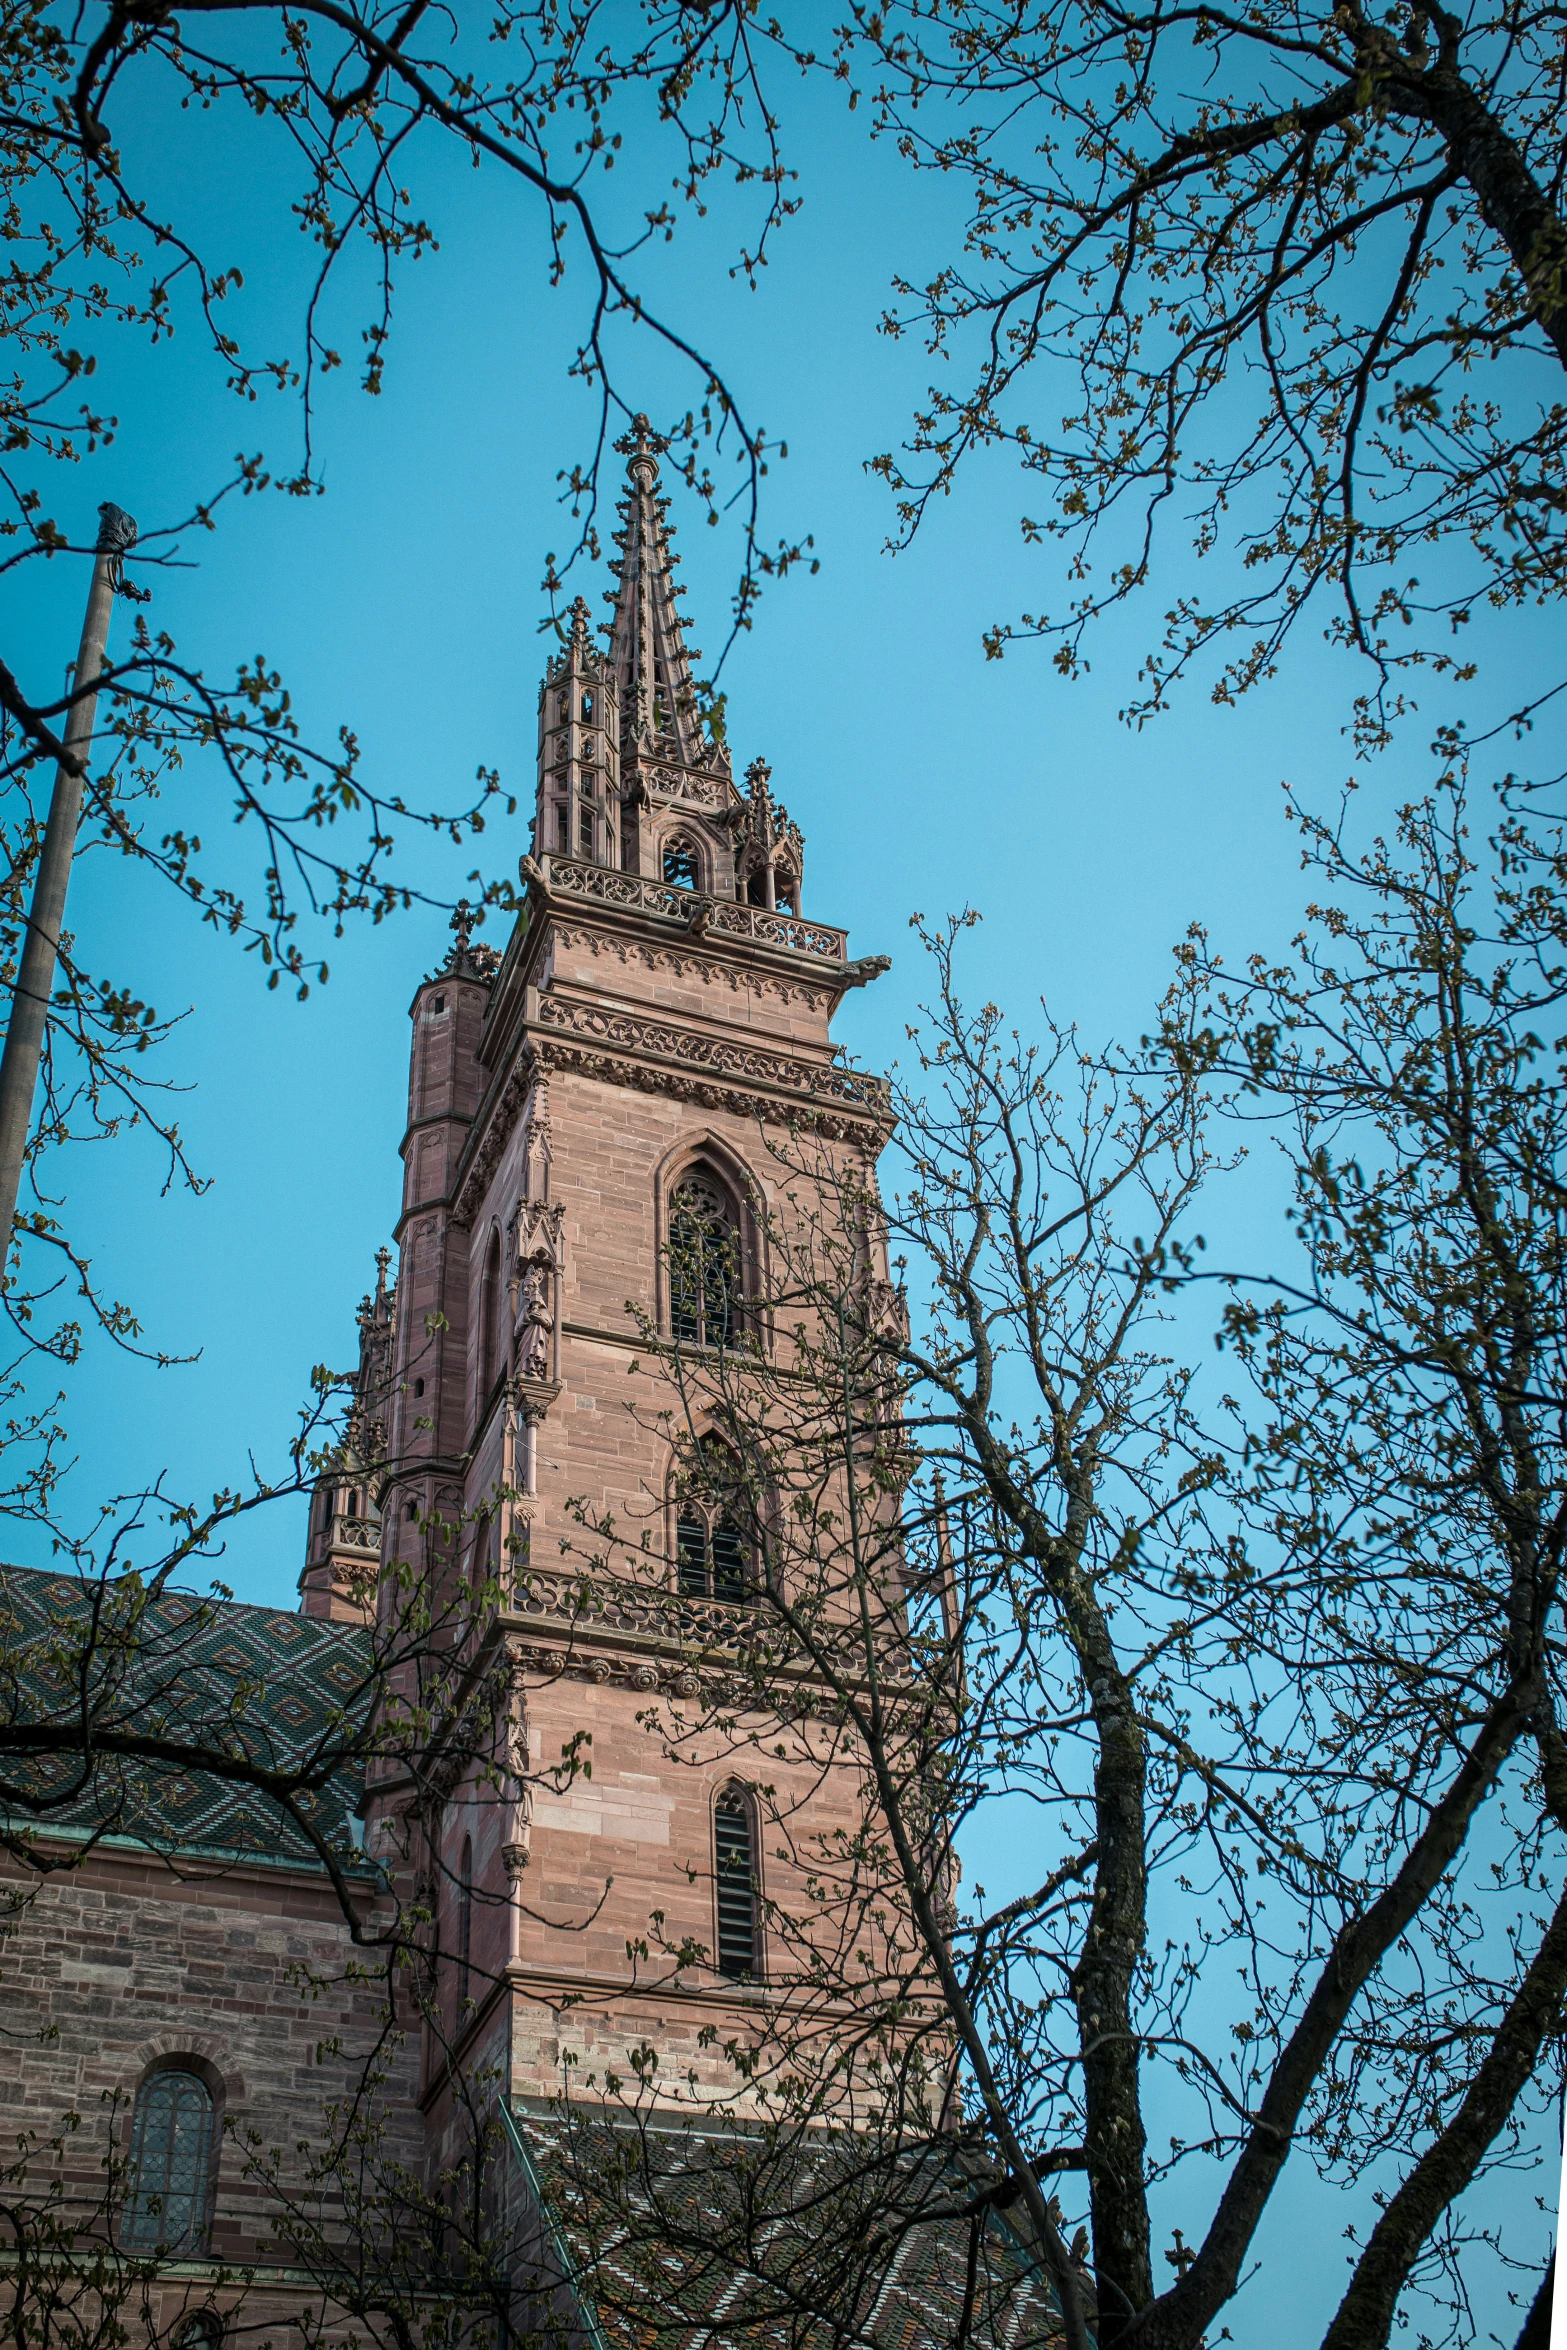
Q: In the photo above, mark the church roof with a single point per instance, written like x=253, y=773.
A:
x=674, y=2236
x=87, y=1669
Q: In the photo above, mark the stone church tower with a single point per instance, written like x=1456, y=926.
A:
x=663, y=1002
x=620, y=1077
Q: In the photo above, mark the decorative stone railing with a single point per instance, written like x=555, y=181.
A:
x=690, y=908
x=613, y=1605
x=652, y=1614
x=357, y=1534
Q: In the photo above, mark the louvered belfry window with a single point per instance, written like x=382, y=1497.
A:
x=735, y=1852
x=171, y=2165
x=703, y=1263
x=710, y=1547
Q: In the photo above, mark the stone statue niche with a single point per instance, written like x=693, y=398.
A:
x=536, y=1320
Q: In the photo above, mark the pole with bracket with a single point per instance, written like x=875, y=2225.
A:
x=24, y=1037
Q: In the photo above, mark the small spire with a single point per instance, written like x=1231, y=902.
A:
x=647, y=643
x=768, y=822
x=581, y=622
x=383, y=1258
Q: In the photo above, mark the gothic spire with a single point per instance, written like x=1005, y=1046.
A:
x=647, y=645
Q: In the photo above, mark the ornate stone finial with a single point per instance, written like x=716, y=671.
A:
x=580, y=619
x=464, y=960
x=642, y=447
x=758, y=775
x=383, y=1258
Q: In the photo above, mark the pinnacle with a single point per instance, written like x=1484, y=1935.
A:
x=647, y=644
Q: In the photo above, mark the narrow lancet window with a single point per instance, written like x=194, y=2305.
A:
x=465, y=1926
x=712, y=1554
x=703, y=1263
x=734, y=1844
x=490, y=1365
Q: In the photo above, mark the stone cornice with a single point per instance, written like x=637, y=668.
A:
x=658, y=1055
x=625, y=906
x=663, y=1047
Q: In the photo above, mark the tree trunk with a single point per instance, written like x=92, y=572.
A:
x=1102, y=1985
x=1536, y=2333
x=1511, y=201
x=1365, y=2315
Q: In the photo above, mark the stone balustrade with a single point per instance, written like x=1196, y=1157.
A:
x=717, y=916
x=361, y=1534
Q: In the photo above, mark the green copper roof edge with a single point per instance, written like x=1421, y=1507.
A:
x=568, y=2266
x=353, y=1861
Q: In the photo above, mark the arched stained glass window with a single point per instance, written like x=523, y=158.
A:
x=734, y=1852
x=171, y=2164
x=202, y=2330
x=704, y=1262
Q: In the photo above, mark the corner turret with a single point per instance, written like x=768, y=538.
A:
x=343, y=1541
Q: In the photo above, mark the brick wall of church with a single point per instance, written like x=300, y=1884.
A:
x=132, y=1963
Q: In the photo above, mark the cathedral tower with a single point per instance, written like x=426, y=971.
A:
x=662, y=1004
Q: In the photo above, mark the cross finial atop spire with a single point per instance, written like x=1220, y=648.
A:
x=463, y=959
x=642, y=447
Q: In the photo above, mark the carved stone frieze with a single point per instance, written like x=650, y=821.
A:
x=679, y=783
x=828, y=1084
x=678, y=1085
x=686, y=965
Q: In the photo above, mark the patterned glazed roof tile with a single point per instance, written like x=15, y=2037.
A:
x=205, y=1675
x=676, y=2239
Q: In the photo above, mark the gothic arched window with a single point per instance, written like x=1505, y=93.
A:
x=710, y=1542
x=490, y=1320
x=786, y=891
x=202, y=2330
x=704, y=1261
x=171, y=2164
x=735, y=1883
x=682, y=865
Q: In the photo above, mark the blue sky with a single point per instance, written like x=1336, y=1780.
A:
x=405, y=603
